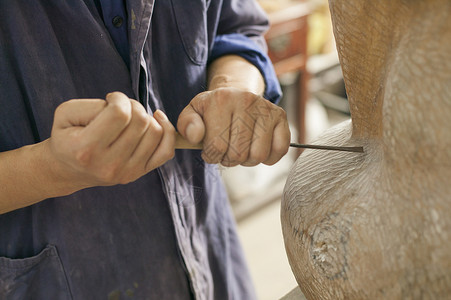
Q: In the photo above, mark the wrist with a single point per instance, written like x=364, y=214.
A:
x=28, y=176
x=54, y=178
x=235, y=72
x=227, y=81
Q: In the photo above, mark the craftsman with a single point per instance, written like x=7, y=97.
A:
x=95, y=203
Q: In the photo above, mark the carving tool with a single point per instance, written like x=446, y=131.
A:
x=181, y=143
x=334, y=148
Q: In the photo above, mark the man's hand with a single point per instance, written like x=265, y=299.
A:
x=109, y=142
x=236, y=127
x=93, y=143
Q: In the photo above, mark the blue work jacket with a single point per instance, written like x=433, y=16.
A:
x=168, y=235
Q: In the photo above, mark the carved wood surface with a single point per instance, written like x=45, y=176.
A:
x=377, y=225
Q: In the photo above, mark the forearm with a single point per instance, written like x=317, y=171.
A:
x=27, y=176
x=235, y=71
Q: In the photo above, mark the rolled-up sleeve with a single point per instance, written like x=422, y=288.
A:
x=240, y=32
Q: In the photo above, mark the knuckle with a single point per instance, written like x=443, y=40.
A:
x=223, y=96
x=198, y=103
x=136, y=104
x=141, y=118
x=119, y=113
x=282, y=113
x=156, y=129
x=248, y=99
x=114, y=94
x=137, y=107
x=61, y=108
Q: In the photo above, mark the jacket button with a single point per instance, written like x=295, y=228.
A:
x=117, y=21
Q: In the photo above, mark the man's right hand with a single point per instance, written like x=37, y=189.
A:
x=99, y=143
x=93, y=143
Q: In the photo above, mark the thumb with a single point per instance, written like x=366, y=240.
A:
x=77, y=112
x=191, y=125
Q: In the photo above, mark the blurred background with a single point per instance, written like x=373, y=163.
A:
x=301, y=47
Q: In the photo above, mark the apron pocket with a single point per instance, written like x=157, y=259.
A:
x=191, y=22
x=38, y=277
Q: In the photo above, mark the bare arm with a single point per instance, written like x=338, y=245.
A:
x=235, y=71
x=28, y=176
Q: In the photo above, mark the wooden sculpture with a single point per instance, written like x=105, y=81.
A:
x=377, y=225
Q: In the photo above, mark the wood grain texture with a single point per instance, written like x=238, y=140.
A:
x=377, y=225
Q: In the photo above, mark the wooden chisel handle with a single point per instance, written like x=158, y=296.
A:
x=181, y=143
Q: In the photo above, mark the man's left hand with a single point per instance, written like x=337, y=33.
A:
x=236, y=127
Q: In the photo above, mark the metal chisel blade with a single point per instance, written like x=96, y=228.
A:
x=333, y=148
x=181, y=143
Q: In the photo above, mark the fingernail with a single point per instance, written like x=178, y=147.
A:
x=160, y=115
